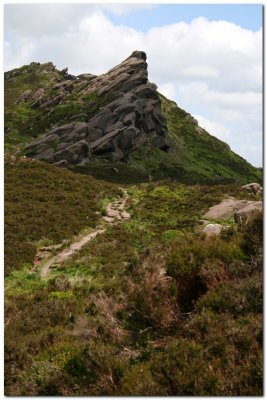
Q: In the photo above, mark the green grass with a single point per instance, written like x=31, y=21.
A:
x=46, y=202
x=204, y=156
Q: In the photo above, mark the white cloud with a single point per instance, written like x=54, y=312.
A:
x=168, y=90
x=126, y=8
x=214, y=128
x=252, y=139
x=251, y=150
x=18, y=54
x=35, y=20
x=200, y=71
x=211, y=69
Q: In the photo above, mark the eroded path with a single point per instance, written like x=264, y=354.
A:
x=115, y=213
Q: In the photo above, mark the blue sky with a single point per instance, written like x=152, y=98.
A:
x=248, y=16
x=205, y=57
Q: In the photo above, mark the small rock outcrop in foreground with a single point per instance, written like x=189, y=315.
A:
x=254, y=188
x=248, y=212
x=229, y=207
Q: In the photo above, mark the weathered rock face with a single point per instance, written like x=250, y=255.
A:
x=253, y=188
x=248, y=212
x=131, y=118
x=242, y=211
x=229, y=207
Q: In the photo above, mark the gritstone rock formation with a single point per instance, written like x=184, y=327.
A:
x=130, y=118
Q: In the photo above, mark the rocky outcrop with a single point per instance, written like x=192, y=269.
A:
x=40, y=99
x=131, y=118
x=24, y=96
x=242, y=211
x=228, y=208
x=254, y=188
x=248, y=212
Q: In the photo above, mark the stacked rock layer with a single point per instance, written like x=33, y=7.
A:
x=131, y=118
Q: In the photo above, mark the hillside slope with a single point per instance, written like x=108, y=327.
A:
x=115, y=126
x=44, y=205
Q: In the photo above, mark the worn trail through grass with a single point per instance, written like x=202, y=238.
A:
x=115, y=213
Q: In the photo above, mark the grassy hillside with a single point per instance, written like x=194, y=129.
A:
x=21, y=121
x=150, y=307
x=202, y=154
x=46, y=203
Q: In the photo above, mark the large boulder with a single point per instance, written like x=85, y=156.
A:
x=248, y=212
x=47, y=155
x=101, y=119
x=74, y=153
x=126, y=139
x=42, y=147
x=87, y=77
x=81, y=148
x=226, y=209
x=253, y=187
x=63, y=129
x=24, y=96
x=46, y=139
x=66, y=86
x=80, y=127
x=105, y=147
x=146, y=92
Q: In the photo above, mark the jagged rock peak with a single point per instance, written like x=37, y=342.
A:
x=128, y=116
x=130, y=73
x=141, y=55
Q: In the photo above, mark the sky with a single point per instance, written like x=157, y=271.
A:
x=205, y=57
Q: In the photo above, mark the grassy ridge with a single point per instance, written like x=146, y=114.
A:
x=148, y=308
x=203, y=155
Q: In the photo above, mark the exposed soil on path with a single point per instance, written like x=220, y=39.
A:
x=115, y=213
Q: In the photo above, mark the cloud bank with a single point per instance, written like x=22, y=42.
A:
x=212, y=69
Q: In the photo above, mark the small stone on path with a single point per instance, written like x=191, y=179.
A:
x=125, y=215
x=109, y=220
